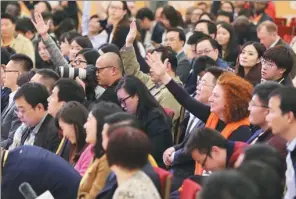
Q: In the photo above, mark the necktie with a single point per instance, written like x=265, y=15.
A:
x=26, y=135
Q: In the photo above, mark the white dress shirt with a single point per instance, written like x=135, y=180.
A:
x=290, y=172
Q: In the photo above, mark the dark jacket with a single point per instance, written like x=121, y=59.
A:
x=42, y=169
x=111, y=182
x=156, y=33
x=184, y=67
x=109, y=94
x=47, y=136
x=4, y=97
x=264, y=17
x=158, y=128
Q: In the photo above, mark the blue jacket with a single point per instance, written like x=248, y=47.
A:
x=42, y=169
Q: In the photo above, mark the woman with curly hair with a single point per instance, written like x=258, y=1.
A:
x=228, y=110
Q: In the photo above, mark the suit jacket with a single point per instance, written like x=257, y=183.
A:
x=184, y=67
x=4, y=97
x=47, y=136
x=9, y=124
x=109, y=94
x=157, y=33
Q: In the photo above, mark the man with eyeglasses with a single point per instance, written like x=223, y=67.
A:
x=258, y=108
x=109, y=73
x=175, y=38
x=277, y=63
x=17, y=65
x=212, y=151
x=210, y=47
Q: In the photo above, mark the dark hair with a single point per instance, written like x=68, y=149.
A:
x=46, y=15
x=91, y=55
x=49, y=75
x=173, y=16
x=5, y=56
x=24, y=60
x=287, y=96
x=65, y=25
x=25, y=25
x=128, y=148
x=182, y=36
x=212, y=28
x=232, y=45
x=220, y=185
x=9, y=17
x=25, y=77
x=84, y=42
x=118, y=120
x=168, y=53
x=266, y=154
x=76, y=114
x=58, y=16
x=34, y=94
x=253, y=75
x=133, y=86
x=203, y=139
x=230, y=3
x=70, y=90
x=69, y=36
x=216, y=72
x=246, y=12
x=145, y=13
x=264, y=177
x=125, y=7
x=100, y=111
x=48, y=6
x=264, y=89
x=197, y=35
x=16, y=4
x=226, y=14
x=282, y=56
x=202, y=63
x=213, y=42
x=210, y=15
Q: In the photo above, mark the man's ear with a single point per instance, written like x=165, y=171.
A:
x=282, y=70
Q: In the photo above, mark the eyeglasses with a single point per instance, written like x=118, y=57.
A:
x=252, y=103
x=22, y=112
x=122, y=101
x=269, y=64
x=205, y=160
x=11, y=71
x=78, y=62
x=101, y=68
x=115, y=8
x=204, y=52
x=200, y=82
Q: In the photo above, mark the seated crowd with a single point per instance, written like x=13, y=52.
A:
x=128, y=103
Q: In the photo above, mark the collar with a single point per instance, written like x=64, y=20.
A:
x=152, y=26
x=274, y=43
x=37, y=127
x=291, y=145
x=229, y=151
x=11, y=95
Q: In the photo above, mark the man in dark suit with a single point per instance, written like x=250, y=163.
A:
x=42, y=169
x=151, y=31
x=17, y=65
x=38, y=127
x=261, y=16
x=175, y=38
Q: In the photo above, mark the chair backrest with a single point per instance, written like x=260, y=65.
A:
x=189, y=189
x=165, y=182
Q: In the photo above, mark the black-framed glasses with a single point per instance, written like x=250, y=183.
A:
x=101, y=68
x=265, y=62
x=122, y=101
x=78, y=62
x=253, y=104
x=11, y=71
x=206, y=158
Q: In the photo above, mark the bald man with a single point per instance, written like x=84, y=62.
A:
x=109, y=72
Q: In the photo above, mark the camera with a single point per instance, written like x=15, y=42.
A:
x=89, y=72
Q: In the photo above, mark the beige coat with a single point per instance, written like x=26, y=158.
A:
x=94, y=179
x=161, y=94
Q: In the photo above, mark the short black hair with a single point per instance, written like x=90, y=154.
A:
x=82, y=41
x=212, y=41
x=9, y=17
x=263, y=90
x=5, y=56
x=145, y=13
x=181, y=32
x=16, y=4
x=70, y=90
x=246, y=12
x=25, y=77
x=212, y=28
x=226, y=14
x=69, y=36
x=49, y=75
x=210, y=15
x=282, y=56
x=203, y=139
x=266, y=154
x=220, y=185
x=34, y=94
x=128, y=148
x=287, y=97
x=24, y=60
x=25, y=25
x=202, y=63
x=263, y=177
x=197, y=35
x=168, y=53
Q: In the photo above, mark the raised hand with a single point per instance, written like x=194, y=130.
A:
x=131, y=36
x=41, y=27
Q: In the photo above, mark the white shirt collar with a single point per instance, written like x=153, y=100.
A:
x=11, y=96
x=274, y=43
x=291, y=145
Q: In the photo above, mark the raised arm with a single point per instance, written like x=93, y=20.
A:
x=55, y=53
x=158, y=68
x=128, y=55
